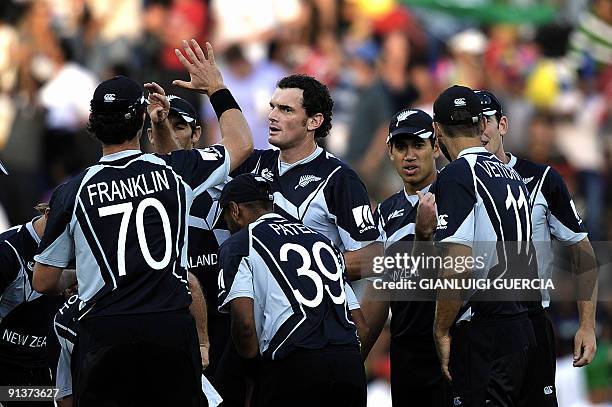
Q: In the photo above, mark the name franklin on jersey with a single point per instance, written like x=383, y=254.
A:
x=132, y=187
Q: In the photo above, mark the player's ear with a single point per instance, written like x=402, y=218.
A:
x=390, y=150
x=314, y=122
x=436, y=149
x=482, y=124
x=503, y=126
x=235, y=211
x=195, y=135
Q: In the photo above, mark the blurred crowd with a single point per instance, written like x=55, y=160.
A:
x=554, y=78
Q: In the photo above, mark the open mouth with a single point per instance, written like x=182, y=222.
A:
x=273, y=129
x=410, y=169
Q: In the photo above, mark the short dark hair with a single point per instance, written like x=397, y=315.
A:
x=461, y=130
x=116, y=127
x=316, y=99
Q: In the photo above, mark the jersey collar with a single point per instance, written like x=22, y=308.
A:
x=270, y=215
x=472, y=150
x=414, y=199
x=512, y=161
x=283, y=167
x=119, y=155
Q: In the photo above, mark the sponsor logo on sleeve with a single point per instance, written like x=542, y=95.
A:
x=363, y=218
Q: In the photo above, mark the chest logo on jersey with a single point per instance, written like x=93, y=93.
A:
x=267, y=175
x=307, y=179
x=527, y=180
x=31, y=265
x=363, y=218
x=396, y=214
x=442, y=222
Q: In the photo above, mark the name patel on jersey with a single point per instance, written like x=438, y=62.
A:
x=290, y=229
x=30, y=341
x=499, y=170
x=143, y=184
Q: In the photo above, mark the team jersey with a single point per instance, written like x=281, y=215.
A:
x=125, y=220
x=483, y=204
x=297, y=280
x=396, y=217
x=553, y=213
x=25, y=315
x=66, y=329
x=205, y=237
x=320, y=191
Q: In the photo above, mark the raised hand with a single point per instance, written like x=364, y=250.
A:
x=426, y=219
x=204, y=74
x=159, y=106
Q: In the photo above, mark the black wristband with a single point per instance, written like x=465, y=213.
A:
x=223, y=100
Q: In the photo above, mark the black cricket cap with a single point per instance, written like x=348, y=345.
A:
x=117, y=95
x=246, y=188
x=183, y=108
x=457, y=105
x=489, y=103
x=411, y=122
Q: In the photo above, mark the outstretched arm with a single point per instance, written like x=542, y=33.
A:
x=206, y=78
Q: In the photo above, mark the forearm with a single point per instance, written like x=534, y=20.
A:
x=198, y=309
x=244, y=333
x=359, y=262
x=245, y=340
x=163, y=137
x=375, y=313
x=584, y=266
x=449, y=301
x=235, y=132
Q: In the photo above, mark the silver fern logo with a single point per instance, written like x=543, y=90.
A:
x=306, y=179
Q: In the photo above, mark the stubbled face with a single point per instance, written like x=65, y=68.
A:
x=494, y=131
x=185, y=135
x=414, y=159
x=287, y=118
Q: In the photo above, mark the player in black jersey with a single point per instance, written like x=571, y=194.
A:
x=203, y=244
x=310, y=186
x=483, y=215
x=125, y=220
x=416, y=379
x=553, y=216
x=25, y=315
x=285, y=285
